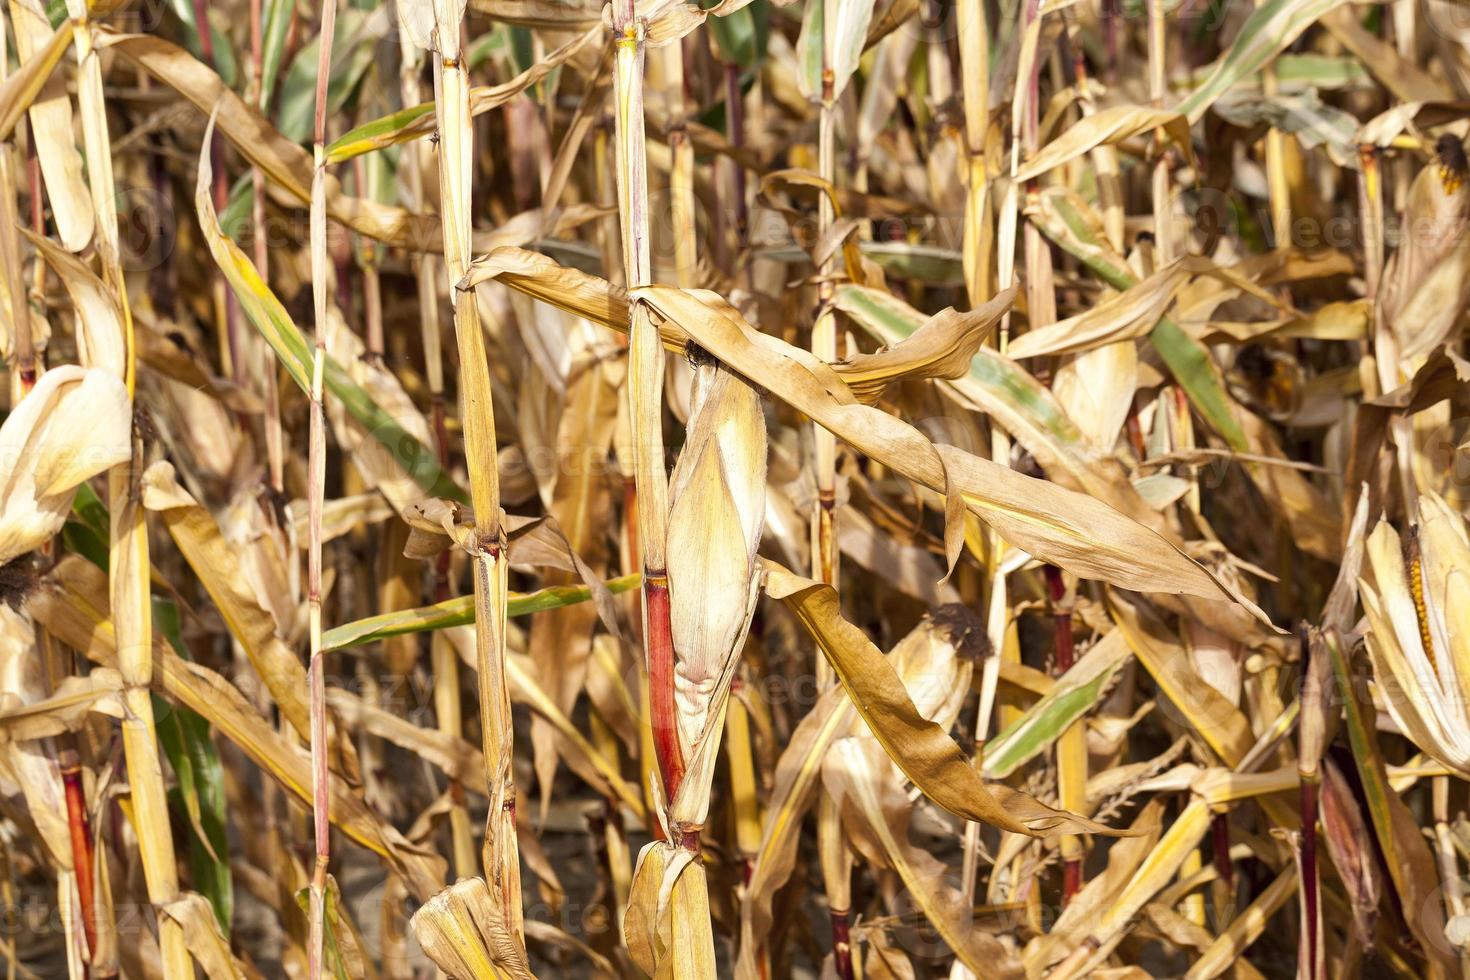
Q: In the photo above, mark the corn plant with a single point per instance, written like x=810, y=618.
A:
x=868, y=488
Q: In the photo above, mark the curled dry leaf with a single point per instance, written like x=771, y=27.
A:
x=1107, y=126
x=925, y=753
x=1081, y=534
x=856, y=773
x=76, y=423
x=931, y=661
x=941, y=348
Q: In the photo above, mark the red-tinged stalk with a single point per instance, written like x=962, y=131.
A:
x=56, y=666
x=27, y=366
x=1312, y=737
x=663, y=713
x=1062, y=655
x=1072, y=757
x=645, y=387
x=842, y=942
x=1063, y=649
x=1310, y=880
x=81, y=841
x=316, y=488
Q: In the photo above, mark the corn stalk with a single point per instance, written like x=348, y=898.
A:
x=316, y=491
x=128, y=546
x=443, y=662
x=440, y=29
x=828, y=42
x=645, y=388
x=692, y=951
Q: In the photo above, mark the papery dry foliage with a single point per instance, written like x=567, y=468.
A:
x=857, y=488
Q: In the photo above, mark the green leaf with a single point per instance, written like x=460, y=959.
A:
x=275, y=325
x=275, y=18
x=345, y=955
x=522, y=49
x=200, y=790
x=381, y=132
x=1188, y=360
x=487, y=46
x=87, y=533
x=461, y=612
x=225, y=64
x=837, y=45
x=1075, y=693
x=1195, y=370
x=809, y=49
x=1271, y=27
x=235, y=218
x=354, y=48
x=742, y=35
x=889, y=320
x=928, y=264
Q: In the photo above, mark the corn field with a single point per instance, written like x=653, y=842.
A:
x=771, y=488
